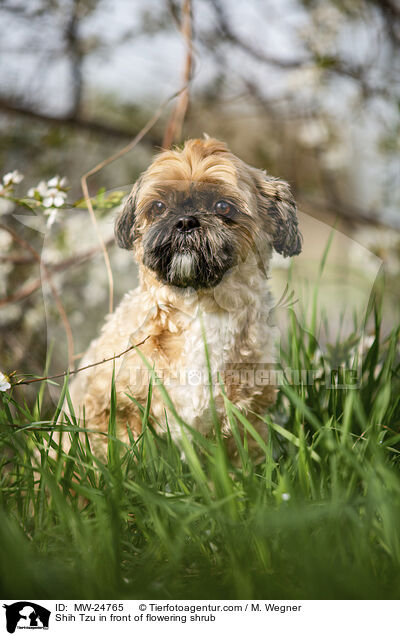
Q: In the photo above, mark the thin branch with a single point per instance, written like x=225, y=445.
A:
x=175, y=123
x=81, y=257
x=88, y=366
x=174, y=11
x=22, y=293
x=75, y=121
x=101, y=241
x=331, y=64
x=246, y=46
x=148, y=126
x=76, y=259
x=17, y=259
x=27, y=290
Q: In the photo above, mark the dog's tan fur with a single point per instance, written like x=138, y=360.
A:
x=234, y=312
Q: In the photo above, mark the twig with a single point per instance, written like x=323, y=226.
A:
x=150, y=123
x=57, y=299
x=17, y=259
x=22, y=292
x=88, y=366
x=80, y=257
x=75, y=122
x=101, y=240
x=27, y=290
x=76, y=259
x=232, y=37
x=175, y=123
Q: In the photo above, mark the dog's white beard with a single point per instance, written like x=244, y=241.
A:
x=182, y=266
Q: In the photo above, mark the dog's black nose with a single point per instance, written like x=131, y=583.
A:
x=187, y=223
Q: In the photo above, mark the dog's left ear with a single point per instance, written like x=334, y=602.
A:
x=124, y=225
x=278, y=209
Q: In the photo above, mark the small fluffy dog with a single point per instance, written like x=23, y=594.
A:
x=202, y=225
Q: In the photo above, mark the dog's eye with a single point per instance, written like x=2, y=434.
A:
x=222, y=207
x=158, y=206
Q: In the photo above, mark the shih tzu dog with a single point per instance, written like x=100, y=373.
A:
x=202, y=226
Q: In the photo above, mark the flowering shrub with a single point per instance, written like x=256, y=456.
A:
x=9, y=180
x=30, y=320
x=51, y=195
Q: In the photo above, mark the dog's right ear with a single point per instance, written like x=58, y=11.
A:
x=279, y=211
x=124, y=225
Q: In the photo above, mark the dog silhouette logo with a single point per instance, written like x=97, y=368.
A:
x=26, y=615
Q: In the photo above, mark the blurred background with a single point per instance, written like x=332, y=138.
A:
x=308, y=90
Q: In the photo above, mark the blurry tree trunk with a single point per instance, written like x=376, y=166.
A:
x=75, y=54
x=174, y=127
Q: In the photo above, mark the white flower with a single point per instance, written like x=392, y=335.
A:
x=54, y=198
x=52, y=214
x=285, y=496
x=4, y=382
x=57, y=182
x=41, y=189
x=52, y=193
x=12, y=178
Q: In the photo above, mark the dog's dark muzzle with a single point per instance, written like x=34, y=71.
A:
x=189, y=251
x=187, y=224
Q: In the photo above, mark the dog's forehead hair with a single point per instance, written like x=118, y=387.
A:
x=199, y=160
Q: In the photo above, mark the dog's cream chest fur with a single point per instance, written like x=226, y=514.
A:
x=233, y=319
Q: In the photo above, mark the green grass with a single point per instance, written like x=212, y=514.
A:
x=319, y=518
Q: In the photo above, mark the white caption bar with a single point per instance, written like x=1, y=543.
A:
x=77, y=617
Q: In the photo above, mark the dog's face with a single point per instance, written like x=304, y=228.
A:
x=196, y=213
x=194, y=233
